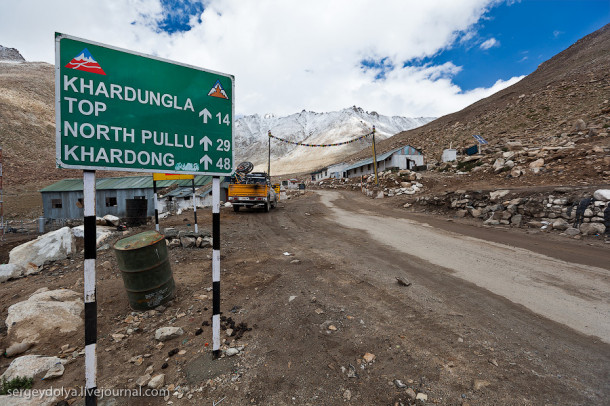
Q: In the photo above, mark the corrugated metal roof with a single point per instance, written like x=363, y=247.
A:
x=408, y=149
x=184, y=192
x=128, y=182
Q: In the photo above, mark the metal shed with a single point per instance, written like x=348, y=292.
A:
x=64, y=199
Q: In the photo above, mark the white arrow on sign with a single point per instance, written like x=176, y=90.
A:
x=206, y=161
x=206, y=143
x=206, y=114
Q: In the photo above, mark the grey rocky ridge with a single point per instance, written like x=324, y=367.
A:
x=10, y=54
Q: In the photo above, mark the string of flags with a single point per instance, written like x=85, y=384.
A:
x=302, y=144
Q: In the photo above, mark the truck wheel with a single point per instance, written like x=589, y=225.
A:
x=267, y=207
x=235, y=208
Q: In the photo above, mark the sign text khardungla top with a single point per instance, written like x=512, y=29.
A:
x=117, y=110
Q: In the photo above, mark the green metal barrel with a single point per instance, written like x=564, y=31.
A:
x=146, y=271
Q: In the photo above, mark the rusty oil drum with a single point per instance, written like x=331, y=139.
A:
x=144, y=265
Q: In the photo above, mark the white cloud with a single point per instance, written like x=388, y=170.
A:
x=490, y=43
x=286, y=55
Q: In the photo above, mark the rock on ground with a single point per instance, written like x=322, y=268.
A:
x=101, y=233
x=167, y=333
x=45, y=313
x=30, y=366
x=23, y=401
x=602, y=194
x=11, y=271
x=157, y=381
x=53, y=246
x=592, y=228
x=111, y=220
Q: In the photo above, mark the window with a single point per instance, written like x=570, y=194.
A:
x=187, y=198
x=56, y=203
x=111, y=202
x=369, y=167
x=80, y=203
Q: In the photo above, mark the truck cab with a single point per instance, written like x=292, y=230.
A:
x=252, y=190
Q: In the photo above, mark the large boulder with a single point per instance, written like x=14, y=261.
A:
x=101, y=233
x=45, y=313
x=11, y=271
x=602, y=194
x=30, y=366
x=53, y=246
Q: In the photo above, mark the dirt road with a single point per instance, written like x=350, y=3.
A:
x=485, y=321
x=572, y=294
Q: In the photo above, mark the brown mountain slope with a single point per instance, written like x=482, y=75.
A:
x=542, y=110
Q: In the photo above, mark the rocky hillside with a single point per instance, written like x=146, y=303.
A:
x=555, y=120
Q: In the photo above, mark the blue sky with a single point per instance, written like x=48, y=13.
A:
x=527, y=33
x=397, y=57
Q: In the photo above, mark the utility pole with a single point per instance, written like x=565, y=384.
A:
x=375, y=159
x=269, y=156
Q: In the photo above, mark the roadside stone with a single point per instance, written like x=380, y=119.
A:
x=516, y=220
x=168, y=333
x=18, y=348
x=516, y=172
x=111, y=220
x=11, y=271
x=461, y=213
x=571, y=231
x=143, y=380
x=231, y=352
x=421, y=396
x=157, y=381
x=188, y=242
x=498, y=165
x=174, y=243
x=561, y=225
x=55, y=372
x=399, y=384
x=479, y=384
x=53, y=246
x=368, y=357
x=30, y=366
x=332, y=327
x=411, y=394
x=592, y=228
x=602, y=194
x=534, y=224
x=498, y=194
x=491, y=222
x=30, y=319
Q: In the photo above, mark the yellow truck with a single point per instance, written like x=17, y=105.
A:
x=252, y=190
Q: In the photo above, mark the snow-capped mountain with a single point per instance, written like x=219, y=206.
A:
x=251, y=140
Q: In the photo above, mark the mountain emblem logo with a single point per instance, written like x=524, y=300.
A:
x=218, y=91
x=84, y=62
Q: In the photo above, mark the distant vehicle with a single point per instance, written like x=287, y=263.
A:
x=252, y=190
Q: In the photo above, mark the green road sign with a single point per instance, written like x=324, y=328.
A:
x=120, y=110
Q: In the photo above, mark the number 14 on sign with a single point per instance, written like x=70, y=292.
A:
x=207, y=115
